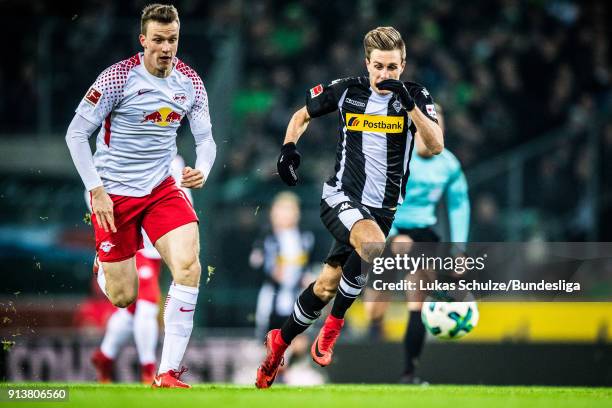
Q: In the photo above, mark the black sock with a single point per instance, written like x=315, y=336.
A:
x=376, y=329
x=309, y=308
x=413, y=341
x=351, y=285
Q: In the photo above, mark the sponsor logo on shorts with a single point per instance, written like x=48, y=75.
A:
x=355, y=103
x=93, y=96
x=316, y=91
x=374, y=123
x=106, y=246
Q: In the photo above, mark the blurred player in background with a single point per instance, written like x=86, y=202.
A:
x=379, y=115
x=283, y=255
x=431, y=177
x=138, y=104
x=140, y=319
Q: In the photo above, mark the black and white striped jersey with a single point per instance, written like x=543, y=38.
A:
x=376, y=139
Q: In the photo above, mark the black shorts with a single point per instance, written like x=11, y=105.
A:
x=419, y=234
x=339, y=213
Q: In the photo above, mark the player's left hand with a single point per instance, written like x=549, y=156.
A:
x=192, y=178
x=398, y=87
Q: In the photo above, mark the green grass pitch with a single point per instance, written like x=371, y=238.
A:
x=327, y=396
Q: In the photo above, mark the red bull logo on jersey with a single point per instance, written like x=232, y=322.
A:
x=162, y=117
x=374, y=123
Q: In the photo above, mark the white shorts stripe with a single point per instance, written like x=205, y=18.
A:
x=333, y=197
x=350, y=217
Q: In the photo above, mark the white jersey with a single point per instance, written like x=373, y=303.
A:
x=139, y=115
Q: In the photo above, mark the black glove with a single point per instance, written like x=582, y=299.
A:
x=288, y=162
x=399, y=88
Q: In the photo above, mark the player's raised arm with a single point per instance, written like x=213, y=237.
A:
x=423, y=117
x=429, y=130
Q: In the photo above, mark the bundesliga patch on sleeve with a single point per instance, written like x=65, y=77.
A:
x=93, y=96
x=431, y=111
x=316, y=91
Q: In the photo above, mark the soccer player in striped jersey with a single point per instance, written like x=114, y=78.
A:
x=431, y=177
x=283, y=256
x=378, y=117
x=139, y=104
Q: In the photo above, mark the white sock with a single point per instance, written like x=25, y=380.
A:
x=118, y=330
x=178, y=321
x=146, y=330
x=101, y=278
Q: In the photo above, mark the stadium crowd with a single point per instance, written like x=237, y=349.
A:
x=505, y=71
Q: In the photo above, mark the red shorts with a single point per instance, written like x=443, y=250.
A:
x=165, y=209
x=148, y=278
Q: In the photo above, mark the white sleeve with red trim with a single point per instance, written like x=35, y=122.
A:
x=104, y=94
x=77, y=137
x=199, y=121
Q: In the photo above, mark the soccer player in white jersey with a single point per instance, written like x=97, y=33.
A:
x=140, y=318
x=139, y=104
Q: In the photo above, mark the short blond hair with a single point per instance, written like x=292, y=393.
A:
x=384, y=39
x=162, y=13
x=286, y=196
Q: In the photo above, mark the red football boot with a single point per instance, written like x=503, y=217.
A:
x=170, y=379
x=103, y=366
x=323, y=346
x=275, y=348
x=147, y=373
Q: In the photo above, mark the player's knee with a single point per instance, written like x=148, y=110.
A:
x=371, y=251
x=188, y=272
x=325, y=290
x=123, y=298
